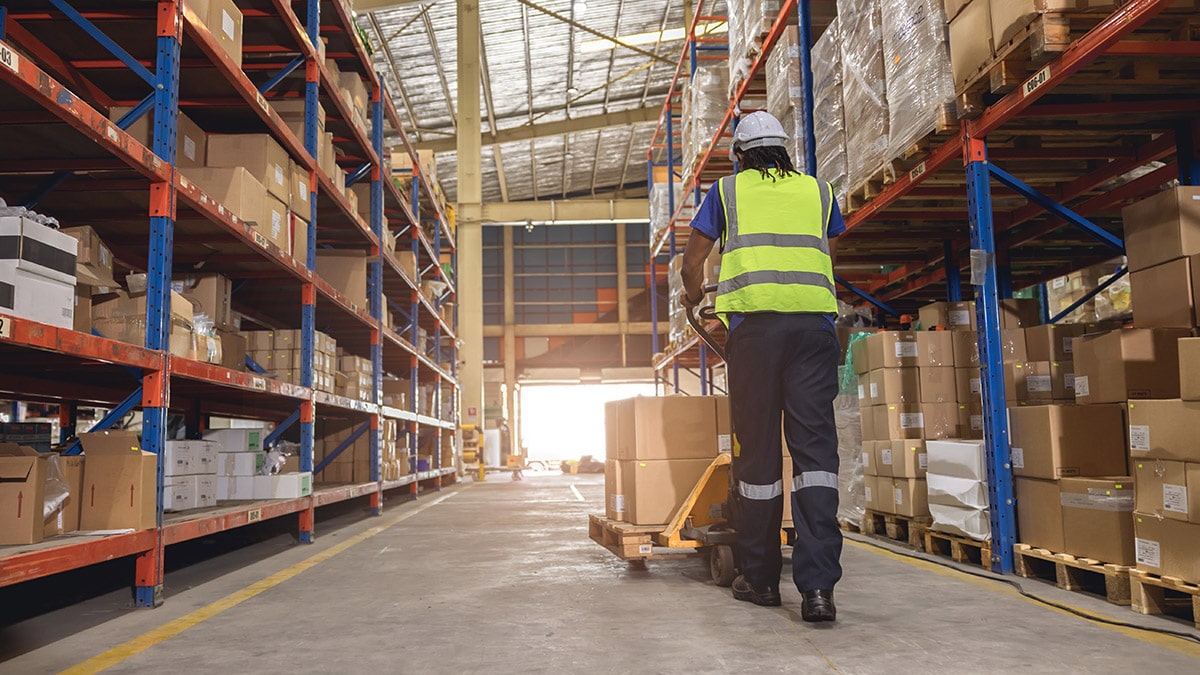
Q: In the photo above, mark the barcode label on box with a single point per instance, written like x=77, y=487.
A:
x=1139, y=435
x=874, y=390
x=862, y=392
x=1149, y=552
x=617, y=502
x=1068, y=345
x=912, y=420
x=976, y=422
x=724, y=443
x=867, y=492
x=899, y=495
x=1058, y=283
x=1069, y=381
x=976, y=385
x=10, y=59
x=1081, y=386
x=866, y=459
x=279, y=179
x=885, y=457
x=960, y=317
x=906, y=350
x=1017, y=458
x=1175, y=498
x=189, y=148
x=923, y=460
x=1038, y=383
x=228, y=25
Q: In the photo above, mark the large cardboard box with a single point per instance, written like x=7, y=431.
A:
x=1167, y=547
x=895, y=385
x=910, y=497
x=667, y=427
x=1163, y=227
x=895, y=349
x=1010, y=17
x=908, y=458
x=1189, y=369
x=614, y=491
x=949, y=315
x=1128, y=364
x=1019, y=313
x=300, y=190
x=224, y=21
x=898, y=421
x=1029, y=382
x=93, y=259
x=1098, y=518
x=941, y=420
x=654, y=489
x=938, y=385
x=1056, y=441
x=1193, y=490
x=968, y=385
x=1166, y=429
x=970, y=420
x=1161, y=487
x=869, y=458
x=966, y=348
x=190, y=145
x=860, y=356
x=22, y=491
x=345, y=271
x=259, y=154
x=1163, y=295
x=970, y=39
x=233, y=350
x=119, y=484
x=1039, y=513
x=1052, y=342
x=935, y=349
x=210, y=294
x=235, y=189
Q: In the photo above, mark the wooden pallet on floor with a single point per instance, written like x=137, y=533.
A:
x=1073, y=574
x=630, y=542
x=1153, y=594
x=871, y=187
x=903, y=529
x=959, y=549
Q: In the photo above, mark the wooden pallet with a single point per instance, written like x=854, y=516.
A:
x=1152, y=594
x=1074, y=574
x=947, y=125
x=628, y=541
x=903, y=529
x=1049, y=35
x=959, y=549
x=871, y=187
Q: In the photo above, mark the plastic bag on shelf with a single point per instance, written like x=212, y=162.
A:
x=57, y=488
x=277, y=457
x=829, y=124
x=920, y=83
x=864, y=89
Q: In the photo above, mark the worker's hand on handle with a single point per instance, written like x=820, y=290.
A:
x=689, y=303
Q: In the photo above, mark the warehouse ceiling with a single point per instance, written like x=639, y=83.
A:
x=567, y=113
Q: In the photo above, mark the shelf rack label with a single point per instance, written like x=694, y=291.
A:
x=9, y=58
x=1036, y=82
x=253, y=515
x=5, y=327
x=258, y=383
x=917, y=171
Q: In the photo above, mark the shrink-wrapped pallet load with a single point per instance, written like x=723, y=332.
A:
x=829, y=124
x=920, y=86
x=864, y=92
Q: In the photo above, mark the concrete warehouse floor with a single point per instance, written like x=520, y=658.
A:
x=501, y=577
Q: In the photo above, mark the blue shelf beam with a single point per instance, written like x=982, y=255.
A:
x=354, y=436
x=273, y=437
x=1056, y=209
x=881, y=305
x=281, y=75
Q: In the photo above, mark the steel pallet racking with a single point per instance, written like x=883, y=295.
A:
x=64, y=64
x=1104, y=119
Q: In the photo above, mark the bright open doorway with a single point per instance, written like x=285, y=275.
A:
x=566, y=421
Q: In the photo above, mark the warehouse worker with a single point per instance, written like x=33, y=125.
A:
x=776, y=296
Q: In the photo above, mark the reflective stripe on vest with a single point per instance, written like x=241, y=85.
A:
x=775, y=253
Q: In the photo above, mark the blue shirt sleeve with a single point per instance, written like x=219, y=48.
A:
x=710, y=217
x=837, y=225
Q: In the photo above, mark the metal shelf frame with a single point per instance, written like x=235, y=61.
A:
x=928, y=205
x=69, y=367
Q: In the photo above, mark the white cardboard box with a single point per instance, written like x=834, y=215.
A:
x=237, y=488
x=179, y=493
x=240, y=463
x=959, y=492
x=291, y=485
x=966, y=522
x=206, y=491
x=264, y=487
x=957, y=459
x=237, y=440
x=190, y=458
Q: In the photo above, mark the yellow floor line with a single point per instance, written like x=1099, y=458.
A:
x=1178, y=644
x=169, y=630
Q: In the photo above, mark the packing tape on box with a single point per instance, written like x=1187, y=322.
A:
x=1100, y=500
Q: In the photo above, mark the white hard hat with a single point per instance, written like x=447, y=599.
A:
x=757, y=130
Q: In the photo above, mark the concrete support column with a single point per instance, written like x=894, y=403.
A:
x=623, y=291
x=470, y=197
x=510, y=343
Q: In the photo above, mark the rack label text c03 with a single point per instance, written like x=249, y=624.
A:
x=9, y=58
x=1036, y=82
x=5, y=327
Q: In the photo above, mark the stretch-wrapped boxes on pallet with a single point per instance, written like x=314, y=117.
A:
x=920, y=88
x=829, y=122
x=864, y=91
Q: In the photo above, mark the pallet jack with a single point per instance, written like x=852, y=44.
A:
x=703, y=524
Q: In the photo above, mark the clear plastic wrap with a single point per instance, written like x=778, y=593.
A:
x=739, y=63
x=829, y=123
x=660, y=207
x=703, y=113
x=916, y=58
x=864, y=89
x=677, y=324
x=852, y=501
x=57, y=489
x=784, y=87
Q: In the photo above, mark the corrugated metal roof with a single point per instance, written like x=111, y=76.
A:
x=541, y=69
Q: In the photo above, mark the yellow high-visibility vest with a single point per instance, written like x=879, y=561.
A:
x=775, y=250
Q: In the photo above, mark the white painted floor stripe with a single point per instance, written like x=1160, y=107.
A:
x=577, y=495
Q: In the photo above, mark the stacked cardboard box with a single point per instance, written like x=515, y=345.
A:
x=224, y=21
x=657, y=449
x=355, y=378
x=190, y=475
x=119, y=479
x=24, y=472
x=39, y=267
x=279, y=353
x=122, y=316
x=1163, y=242
x=353, y=464
x=393, y=456
x=346, y=271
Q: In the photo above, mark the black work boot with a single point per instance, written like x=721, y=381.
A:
x=763, y=595
x=817, y=606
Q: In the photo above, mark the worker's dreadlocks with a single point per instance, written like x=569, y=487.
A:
x=766, y=158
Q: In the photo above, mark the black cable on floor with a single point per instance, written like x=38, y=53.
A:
x=1021, y=589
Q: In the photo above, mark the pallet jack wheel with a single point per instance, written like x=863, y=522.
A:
x=721, y=565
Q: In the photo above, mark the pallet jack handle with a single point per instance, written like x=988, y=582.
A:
x=696, y=314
